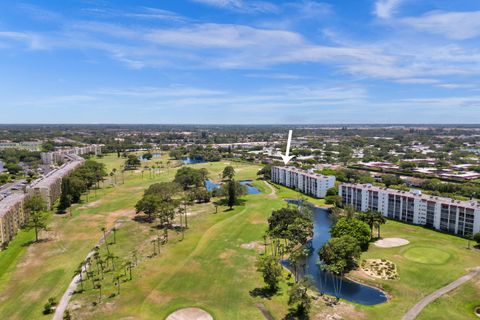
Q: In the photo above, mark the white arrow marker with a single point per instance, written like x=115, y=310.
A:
x=286, y=158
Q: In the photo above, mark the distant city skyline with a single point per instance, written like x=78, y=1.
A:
x=245, y=62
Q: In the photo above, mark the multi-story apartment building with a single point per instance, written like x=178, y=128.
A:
x=309, y=183
x=59, y=155
x=445, y=214
x=12, y=213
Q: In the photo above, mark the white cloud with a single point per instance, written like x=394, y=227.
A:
x=32, y=40
x=212, y=35
x=242, y=6
x=192, y=45
x=386, y=8
x=453, y=25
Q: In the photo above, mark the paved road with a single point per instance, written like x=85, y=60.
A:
x=415, y=311
x=63, y=304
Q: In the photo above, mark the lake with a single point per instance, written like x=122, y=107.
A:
x=193, y=160
x=210, y=185
x=325, y=281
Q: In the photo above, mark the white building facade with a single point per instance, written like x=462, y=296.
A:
x=444, y=214
x=312, y=184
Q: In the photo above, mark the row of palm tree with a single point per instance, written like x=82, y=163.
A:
x=96, y=266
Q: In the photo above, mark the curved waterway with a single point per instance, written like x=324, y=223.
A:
x=327, y=282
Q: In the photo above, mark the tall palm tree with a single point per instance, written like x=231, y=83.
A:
x=379, y=219
x=129, y=265
x=114, y=170
x=79, y=272
x=99, y=286
x=114, y=230
x=116, y=280
x=369, y=218
x=105, y=239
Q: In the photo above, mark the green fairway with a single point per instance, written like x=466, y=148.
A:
x=431, y=261
x=427, y=255
x=457, y=304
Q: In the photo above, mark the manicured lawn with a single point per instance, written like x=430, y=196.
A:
x=209, y=268
x=429, y=262
x=427, y=255
x=213, y=266
x=457, y=304
x=30, y=274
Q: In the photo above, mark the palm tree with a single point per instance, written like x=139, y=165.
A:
x=116, y=280
x=154, y=241
x=112, y=258
x=114, y=170
x=105, y=239
x=379, y=219
x=79, y=272
x=114, y=230
x=129, y=265
x=99, y=286
x=369, y=218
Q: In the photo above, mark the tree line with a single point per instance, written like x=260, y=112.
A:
x=82, y=179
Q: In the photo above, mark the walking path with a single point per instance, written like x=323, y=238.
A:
x=63, y=303
x=415, y=311
x=274, y=192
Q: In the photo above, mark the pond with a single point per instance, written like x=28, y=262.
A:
x=250, y=188
x=193, y=160
x=154, y=155
x=210, y=185
x=327, y=282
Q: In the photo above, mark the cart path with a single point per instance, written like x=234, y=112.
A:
x=415, y=311
x=274, y=192
x=63, y=303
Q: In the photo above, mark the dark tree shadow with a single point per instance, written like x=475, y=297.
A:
x=265, y=292
x=143, y=218
x=296, y=314
x=29, y=243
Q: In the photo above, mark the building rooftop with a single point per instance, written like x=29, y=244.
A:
x=10, y=201
x=304, y=172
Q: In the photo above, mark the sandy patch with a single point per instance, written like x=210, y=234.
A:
x=254, y=245
x=190, y=314
x=380, y=269
x=391, y=242
x=227, y=254
x=337, y=311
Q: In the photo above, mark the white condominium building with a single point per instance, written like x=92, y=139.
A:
x=312, y=184
x=445, y=214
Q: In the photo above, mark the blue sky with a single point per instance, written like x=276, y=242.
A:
x=237, y=61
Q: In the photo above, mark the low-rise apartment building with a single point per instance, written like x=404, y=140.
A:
x=312, y=184
x=445, y=214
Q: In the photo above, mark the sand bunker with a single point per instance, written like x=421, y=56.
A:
x=190, y=314
x=391, y=242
